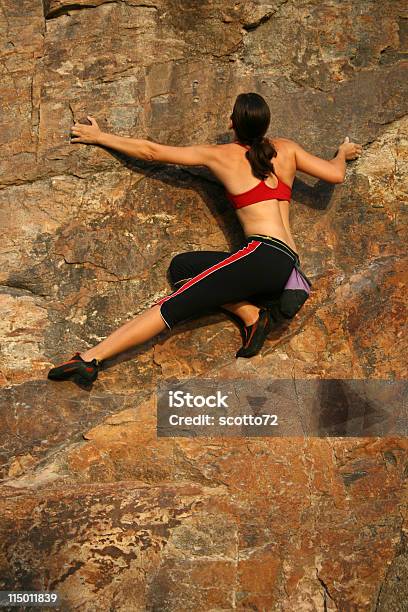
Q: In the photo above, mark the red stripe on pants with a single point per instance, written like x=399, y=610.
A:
x=241, y=253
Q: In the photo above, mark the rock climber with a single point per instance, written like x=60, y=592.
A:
x=260, y=192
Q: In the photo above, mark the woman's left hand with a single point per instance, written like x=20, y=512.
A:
x=88, y=134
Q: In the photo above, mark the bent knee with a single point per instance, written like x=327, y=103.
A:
x=178, y=267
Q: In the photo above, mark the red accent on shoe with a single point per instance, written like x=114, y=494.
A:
x=253, y=328
x=89, y=369
x=74, y=359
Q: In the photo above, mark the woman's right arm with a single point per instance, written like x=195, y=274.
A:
x=333, y=170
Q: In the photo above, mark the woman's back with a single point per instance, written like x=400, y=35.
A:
x=239, y=177
x=271, y=216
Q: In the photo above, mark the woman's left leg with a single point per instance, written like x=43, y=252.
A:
x=85, y=366
x=144, y=326
x=149, y=323
x=252, y=269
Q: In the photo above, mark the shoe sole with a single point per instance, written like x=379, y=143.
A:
x=75, y=375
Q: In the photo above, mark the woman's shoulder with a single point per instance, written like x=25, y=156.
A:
x=285, y=147
x=280, y=143
x=276, y=140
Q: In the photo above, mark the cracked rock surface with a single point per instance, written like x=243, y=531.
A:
x=93, y=504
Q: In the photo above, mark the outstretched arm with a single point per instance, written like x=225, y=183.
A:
x=196, y=155
x=332, y=170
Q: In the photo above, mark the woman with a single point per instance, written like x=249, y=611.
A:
x=260, y=192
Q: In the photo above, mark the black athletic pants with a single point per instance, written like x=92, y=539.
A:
x=256, y=271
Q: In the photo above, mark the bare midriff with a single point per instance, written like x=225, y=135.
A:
x=270, y=218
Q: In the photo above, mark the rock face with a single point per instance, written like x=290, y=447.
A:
x=94, y=505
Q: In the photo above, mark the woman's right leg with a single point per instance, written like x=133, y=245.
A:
x=257, y=270
x=252, y=270
x=185, y=266
x=246, y=311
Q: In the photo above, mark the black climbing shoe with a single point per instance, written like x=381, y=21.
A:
x=256, y=334
x=82, y=371
x=238, y=321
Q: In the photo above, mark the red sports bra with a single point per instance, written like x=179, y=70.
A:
x=260, y=192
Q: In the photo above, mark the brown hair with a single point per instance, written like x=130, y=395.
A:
x=250, y=118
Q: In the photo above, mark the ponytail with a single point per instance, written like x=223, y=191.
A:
x=259, y=156
x=250, y=119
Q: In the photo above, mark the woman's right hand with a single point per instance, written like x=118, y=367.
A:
x=351, y=149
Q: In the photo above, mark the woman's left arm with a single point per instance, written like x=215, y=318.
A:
x=195, y=155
